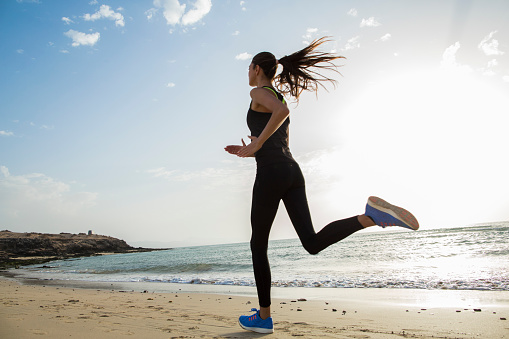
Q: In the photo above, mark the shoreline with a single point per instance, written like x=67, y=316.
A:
x=374, y=296
x=30, y=308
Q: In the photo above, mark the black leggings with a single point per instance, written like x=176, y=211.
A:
x=284, y=181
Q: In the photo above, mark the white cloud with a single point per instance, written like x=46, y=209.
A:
x=175, y=13
x=6, y=133
x=386, y=37
x=107, y=13
x=24, y=194
x=310, y=32
x=210, y=178
x=352, y=12
x=353, y=43
x=64, y=51
x=20, y=51
x=170, y=85
x=489, y=45
x=150, y=13
x=67, y=21
x=172, y=10
x=201, y=8
x=493, y=63
x=449, y=56
x=243, y=56
x=488, y=70
x=161, y=172
x=370, y=22
x=450, y=63
x=242, y=4
x=43, y=126
x=236, y=33
x=93, y=2
x=505, y=78
x=449, y=59
x=80, y=38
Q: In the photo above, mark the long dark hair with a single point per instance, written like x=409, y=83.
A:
x=298, y=72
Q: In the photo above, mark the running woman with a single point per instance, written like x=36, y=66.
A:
x=278, y=175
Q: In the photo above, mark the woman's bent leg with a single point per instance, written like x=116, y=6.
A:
x=297, y=207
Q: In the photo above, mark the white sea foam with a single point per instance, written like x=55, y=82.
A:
x=470, y=258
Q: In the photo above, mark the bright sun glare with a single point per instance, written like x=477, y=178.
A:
x=434, y=134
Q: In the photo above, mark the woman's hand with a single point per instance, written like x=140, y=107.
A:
x=249, y=150
x=234, y=149
x=244, y=151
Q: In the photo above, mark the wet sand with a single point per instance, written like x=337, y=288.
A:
x=35, y=311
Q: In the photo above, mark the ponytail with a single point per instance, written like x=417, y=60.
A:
x=298, y=73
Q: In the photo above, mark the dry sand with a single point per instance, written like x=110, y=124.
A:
x=30, y=311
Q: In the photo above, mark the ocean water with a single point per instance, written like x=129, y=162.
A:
x=469, y=258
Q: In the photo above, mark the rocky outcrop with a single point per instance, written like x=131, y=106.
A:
x=17, y=248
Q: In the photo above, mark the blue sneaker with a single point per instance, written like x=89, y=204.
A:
x=385, y=214
x=255, y=323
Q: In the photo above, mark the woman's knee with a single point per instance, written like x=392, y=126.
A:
x=311, y=247
x=258, y=246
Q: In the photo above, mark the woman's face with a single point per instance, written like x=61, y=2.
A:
x=252, y=75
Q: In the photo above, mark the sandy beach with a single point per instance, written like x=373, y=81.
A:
x=35, y=311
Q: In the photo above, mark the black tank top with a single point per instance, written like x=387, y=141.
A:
x=275, y=149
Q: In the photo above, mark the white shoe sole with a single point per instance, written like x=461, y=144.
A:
x=397, y=212
x=257, y=329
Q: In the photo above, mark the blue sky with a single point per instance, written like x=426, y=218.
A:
x=114, y=114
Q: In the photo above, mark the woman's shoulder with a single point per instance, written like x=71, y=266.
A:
x=257, y=91
x=264, y=89
x=264, y=92
x=264, y=99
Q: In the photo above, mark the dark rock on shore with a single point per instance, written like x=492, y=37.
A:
x=32, y=248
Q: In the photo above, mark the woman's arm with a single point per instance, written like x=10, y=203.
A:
x=280, y=112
